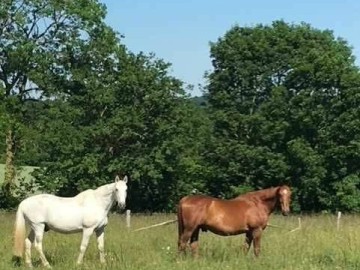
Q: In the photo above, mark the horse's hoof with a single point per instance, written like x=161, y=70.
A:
x=16, y=261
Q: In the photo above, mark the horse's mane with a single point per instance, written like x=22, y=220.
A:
x=262, y=194
x=105, y=189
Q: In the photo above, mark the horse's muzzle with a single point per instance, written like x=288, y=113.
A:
x=121, y=205
x=285, y=213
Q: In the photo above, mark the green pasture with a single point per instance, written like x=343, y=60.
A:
x=317, y=245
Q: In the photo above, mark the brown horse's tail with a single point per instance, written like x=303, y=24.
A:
x=180, y=220
x=19, y=234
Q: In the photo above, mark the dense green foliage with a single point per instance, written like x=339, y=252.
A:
x=286, y=110
x=281, y=106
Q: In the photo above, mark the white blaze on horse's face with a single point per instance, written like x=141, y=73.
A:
x=285, y=199
x=121, y=191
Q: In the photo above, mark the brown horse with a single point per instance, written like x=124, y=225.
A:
x=247, y=213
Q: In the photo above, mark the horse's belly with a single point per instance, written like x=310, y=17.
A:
x=224, y=230
x=65, y=221
x=225, y=224
x=65, y=230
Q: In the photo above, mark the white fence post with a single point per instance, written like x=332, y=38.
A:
x=128, y=217
x=338, y=220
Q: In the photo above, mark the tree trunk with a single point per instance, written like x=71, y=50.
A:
x=9, y=165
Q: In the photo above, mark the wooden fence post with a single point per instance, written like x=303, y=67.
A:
x=338, y=220
x=128, y=217
x=299, y=222
x=298, y=227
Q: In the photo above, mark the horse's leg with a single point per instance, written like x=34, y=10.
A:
x=257, y=236
x=194, y=242
x=100, y=241
x=84, y=243
x=248, y=241
x=184, y=239
x=39, y=233
x=28, y=242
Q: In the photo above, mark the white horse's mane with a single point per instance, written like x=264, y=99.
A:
x=105, y=189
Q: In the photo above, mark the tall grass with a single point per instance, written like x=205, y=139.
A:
x=318, y=245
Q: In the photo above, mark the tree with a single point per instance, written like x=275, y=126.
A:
x=86, y=109
x=42, y=44
x=276, y=91
x=135, y=119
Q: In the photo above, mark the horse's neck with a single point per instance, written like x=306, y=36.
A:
x=105, y=195
x=267, y=197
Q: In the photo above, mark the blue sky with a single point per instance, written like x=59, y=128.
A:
x=179, y=31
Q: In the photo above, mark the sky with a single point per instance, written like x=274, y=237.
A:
x=179, y=31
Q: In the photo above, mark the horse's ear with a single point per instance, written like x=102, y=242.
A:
x=117, y=179
x=125, y=179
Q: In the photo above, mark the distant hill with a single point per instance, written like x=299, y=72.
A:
x=201, y=101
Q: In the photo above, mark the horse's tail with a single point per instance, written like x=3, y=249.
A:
x=180, y=220
x=19, y=234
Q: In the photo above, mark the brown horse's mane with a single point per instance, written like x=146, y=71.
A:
x=263, y=194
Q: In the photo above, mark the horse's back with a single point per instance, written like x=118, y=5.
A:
x=46, y=200
x=194, y=199
x=195, y=204
x=39, y=201
x=47, y=207
x=192, y=208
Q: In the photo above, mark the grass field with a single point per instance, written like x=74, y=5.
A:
x=318, y=245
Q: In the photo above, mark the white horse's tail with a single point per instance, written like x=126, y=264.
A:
x=19, y=234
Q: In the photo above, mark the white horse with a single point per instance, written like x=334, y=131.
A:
x=86, y=212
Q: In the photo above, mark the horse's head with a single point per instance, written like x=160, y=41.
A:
x=121, y=191
x=284, y=193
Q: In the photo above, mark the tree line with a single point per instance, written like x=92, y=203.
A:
x=281, y=106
